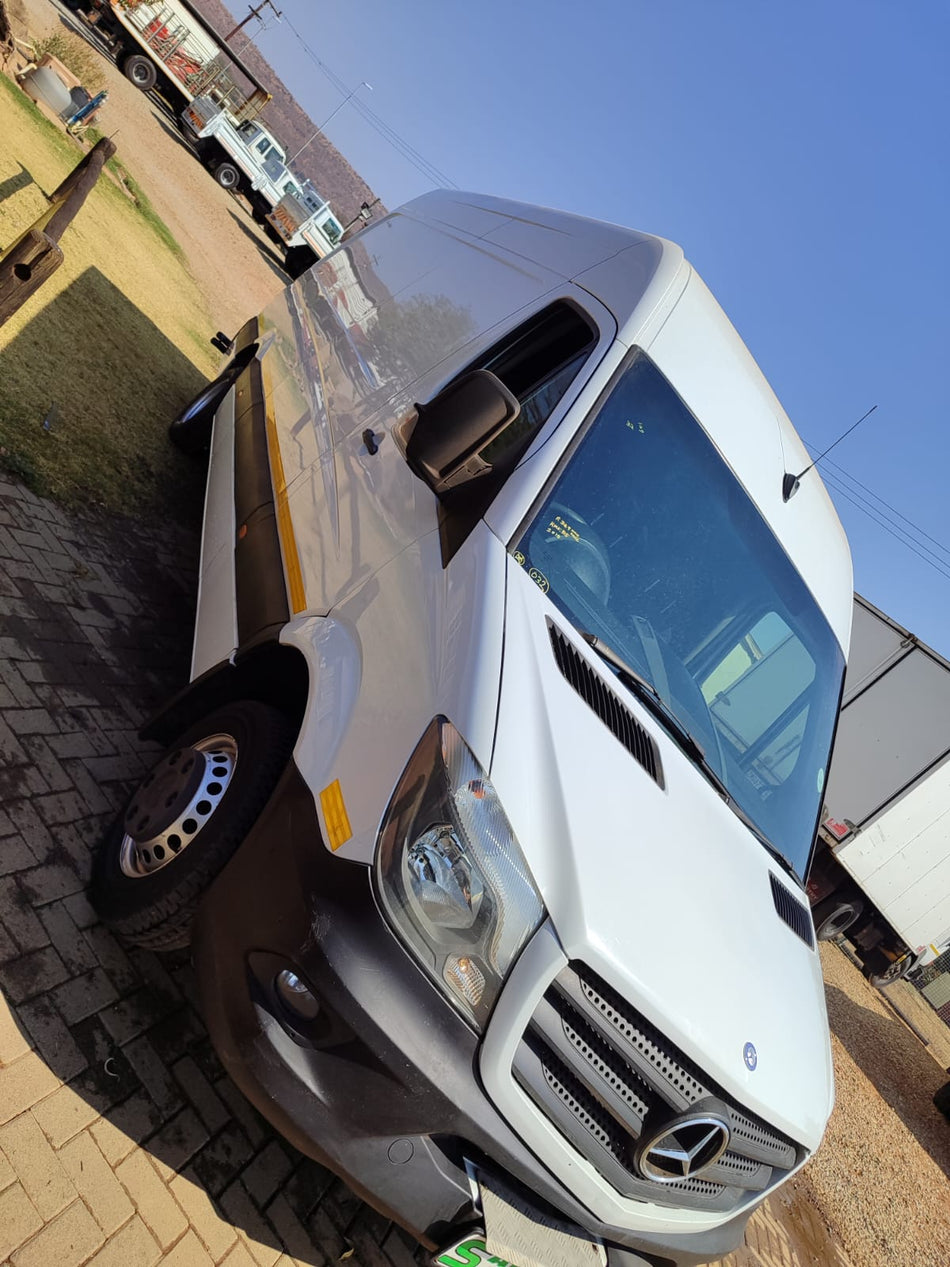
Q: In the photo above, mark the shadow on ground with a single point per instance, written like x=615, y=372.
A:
x=95, y=630
x=274, y=260
x=902, y=1070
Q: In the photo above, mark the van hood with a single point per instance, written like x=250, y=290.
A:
x=659, y=888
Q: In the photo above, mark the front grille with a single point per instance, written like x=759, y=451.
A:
x=602, y=1074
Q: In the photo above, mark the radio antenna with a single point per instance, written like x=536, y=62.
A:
x=791, y=482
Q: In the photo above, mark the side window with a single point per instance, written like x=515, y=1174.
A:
x=537, y=363
x=263, y=145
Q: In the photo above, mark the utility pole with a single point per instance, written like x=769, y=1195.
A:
x=264, y=4
x=364, y=84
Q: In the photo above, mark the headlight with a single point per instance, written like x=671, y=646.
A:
x=452, y=877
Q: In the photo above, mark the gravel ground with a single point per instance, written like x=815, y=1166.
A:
x=880, y=1178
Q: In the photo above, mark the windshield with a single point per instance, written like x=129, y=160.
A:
x=648, y=541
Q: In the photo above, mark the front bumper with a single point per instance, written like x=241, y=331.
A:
x=382, y=1087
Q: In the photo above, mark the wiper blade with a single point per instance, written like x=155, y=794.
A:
x=648, y=695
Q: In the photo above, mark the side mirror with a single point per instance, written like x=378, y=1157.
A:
x=451, y=431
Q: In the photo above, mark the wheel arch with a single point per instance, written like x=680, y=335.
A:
x=267, y=671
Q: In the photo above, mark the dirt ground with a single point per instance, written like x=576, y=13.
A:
x=229, y=257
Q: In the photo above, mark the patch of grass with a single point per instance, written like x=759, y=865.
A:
x=76, y=55
x=108, y=342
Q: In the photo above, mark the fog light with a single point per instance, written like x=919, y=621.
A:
x=296, y=995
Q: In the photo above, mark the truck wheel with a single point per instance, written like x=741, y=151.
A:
x=942, y=1100
x=298, y=260
x=835, y=915
x=185, y=820
x=893, y=972
x=227, y=176
x=140, y=71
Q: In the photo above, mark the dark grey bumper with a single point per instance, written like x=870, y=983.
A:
x=382, y=1087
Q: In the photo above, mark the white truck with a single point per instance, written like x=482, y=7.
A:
x=242, y=155
x=306, y=227
x=487, y=809
x=167, y=44
x=882, y=869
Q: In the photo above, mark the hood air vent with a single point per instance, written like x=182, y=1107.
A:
x=598, y=696
x=795, y=915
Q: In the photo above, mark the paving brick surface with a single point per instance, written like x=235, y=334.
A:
x=121, y=1139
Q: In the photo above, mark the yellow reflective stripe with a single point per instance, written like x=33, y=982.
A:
x=285, y=527
x=339, y=830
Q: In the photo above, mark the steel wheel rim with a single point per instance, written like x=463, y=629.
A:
x=174, y=802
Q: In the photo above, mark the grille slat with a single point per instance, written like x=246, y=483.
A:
x=796, y=915
x=593, y=1063
x=603, y=1074
x=601, y=699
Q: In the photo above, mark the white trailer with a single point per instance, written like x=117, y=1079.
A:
x=882, y=869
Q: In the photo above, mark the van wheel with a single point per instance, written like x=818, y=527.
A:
x=140, y=71
x=835, y=915
x=190, y=432
x=942, y=1100
x=227, y=176
x=185, y=820
x=893, y=972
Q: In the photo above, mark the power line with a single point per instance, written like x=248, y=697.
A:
x=406, y=151
x=893, y=509
x=899, y=534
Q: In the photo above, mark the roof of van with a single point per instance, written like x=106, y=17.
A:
x=699, y=351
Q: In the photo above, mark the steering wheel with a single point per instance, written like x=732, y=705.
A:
x=566, y=543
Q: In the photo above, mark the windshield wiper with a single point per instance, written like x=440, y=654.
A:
x=650, y=697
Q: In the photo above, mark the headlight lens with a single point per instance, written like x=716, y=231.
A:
x=452, y=877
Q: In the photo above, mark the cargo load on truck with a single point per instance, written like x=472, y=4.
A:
x=168, y=45
x=882, y=871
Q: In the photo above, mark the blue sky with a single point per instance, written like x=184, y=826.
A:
x=798, y=152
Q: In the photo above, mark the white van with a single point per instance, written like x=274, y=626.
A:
x=488, y=807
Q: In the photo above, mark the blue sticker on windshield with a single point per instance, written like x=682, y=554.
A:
x=750, y=1056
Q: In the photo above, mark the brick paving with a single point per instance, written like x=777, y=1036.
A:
x=121, y=1139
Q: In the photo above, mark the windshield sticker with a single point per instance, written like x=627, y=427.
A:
x=561, y=530
x=821, y=779
x=638, y=427
x=540, y=580
x=519, y=558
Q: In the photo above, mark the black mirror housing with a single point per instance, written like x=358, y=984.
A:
x=450, y=432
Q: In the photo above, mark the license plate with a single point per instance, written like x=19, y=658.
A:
x=516, y=1236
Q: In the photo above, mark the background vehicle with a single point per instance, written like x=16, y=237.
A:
x=169, y=46
x=882, y=869
x=306, y=227
x=241, y=155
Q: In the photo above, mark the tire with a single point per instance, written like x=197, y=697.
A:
x=190, y=431
x=227, y=176
x=299, y=260
x=897, y=971
x=942, y=1100
x=835, y=915
x=140, y=71
x=185, y=820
